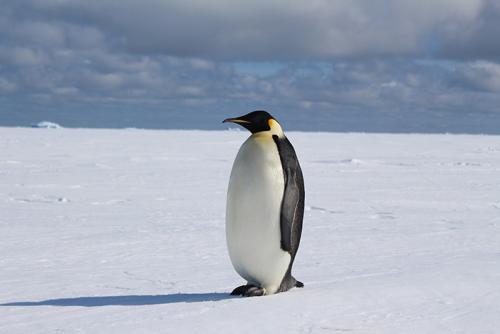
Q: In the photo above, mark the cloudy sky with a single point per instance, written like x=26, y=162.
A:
x=381, y=65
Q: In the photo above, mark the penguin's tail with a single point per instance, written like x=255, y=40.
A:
x=289, y=282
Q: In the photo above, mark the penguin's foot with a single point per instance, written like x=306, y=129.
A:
x=248, y=290
x=240, y=291
x=255, y=291
x=299, y=284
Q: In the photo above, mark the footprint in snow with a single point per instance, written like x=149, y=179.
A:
x=320, y=209
x=41, y=199
x=383, y=215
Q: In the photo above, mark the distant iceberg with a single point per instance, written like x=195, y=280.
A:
x=46, y=125
x=233, y=128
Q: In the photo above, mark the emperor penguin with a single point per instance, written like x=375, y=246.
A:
x=265, y=208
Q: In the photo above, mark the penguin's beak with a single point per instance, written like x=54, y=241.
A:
x=236, y=120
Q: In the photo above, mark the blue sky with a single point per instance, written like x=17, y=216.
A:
x=351, y=65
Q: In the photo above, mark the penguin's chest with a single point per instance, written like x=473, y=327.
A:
x=253, y=232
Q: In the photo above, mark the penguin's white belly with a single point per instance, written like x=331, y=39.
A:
x=253, y=209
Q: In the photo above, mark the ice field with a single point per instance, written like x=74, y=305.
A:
x=122, y=231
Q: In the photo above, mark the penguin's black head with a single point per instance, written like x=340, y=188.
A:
x=256, y=121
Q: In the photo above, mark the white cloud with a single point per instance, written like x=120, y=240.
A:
x=190, y=91
x=38, y=33
x=6, y=86
x=270, y=30
x=482, y=75
x=22, y=56
x=66, y=90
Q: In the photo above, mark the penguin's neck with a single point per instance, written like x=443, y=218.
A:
x=274, y=130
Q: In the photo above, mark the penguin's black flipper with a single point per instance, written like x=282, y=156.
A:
x=292, y=206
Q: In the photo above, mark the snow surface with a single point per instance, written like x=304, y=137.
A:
x=122, y=231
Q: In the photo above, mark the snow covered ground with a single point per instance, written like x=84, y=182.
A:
x=122, y=231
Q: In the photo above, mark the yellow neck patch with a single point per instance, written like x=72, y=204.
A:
x=275, y=128
x=272, y=123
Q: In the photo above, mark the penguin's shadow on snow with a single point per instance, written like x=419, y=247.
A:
x=130, y=300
